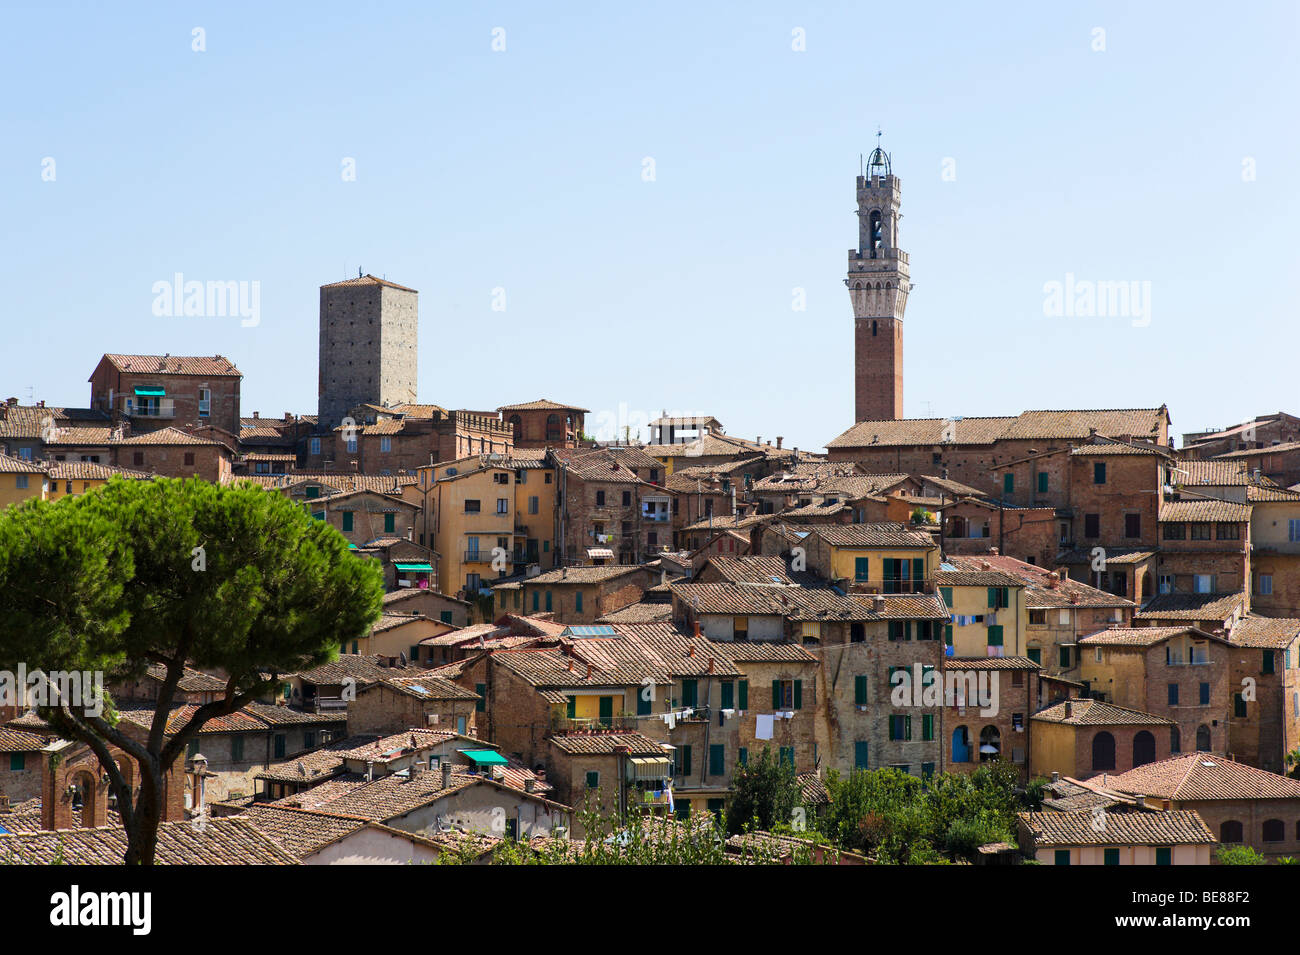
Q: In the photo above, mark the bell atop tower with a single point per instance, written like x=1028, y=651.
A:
x=878, y=161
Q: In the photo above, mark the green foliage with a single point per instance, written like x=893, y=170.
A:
x=1238, y=855
x=898, y=818
x=764, y=795
x=168, y=572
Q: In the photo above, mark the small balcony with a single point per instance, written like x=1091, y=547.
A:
x=486, y=557
x=569, y=726
x=161, y=408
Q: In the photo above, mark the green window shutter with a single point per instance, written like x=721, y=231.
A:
x=862, y=568
x=577, y=601
x=571, y=710
x=686, y=760
x=237, y=748
x=927, y=770
x=535, y=595
x=728, y=695
x=1035, y=655
x=798, y=694
x=390, y=522
x=776, y=694
x=907, y=727
x=1164, y=856
x=279, y=746
x=895, y=630
x=787, y=756
x=1042, y=482
x=480, y=705
x=860, y=690
x=644, y=706
x=1238, y=706
x=918, y=571
x=1062, y=856
x=690, y=692
x=593, y=780
x=17, y=762
x=743, y=702
x=860, y=748
x=893, y=727
x=1268, y=661
x=907, y=630
x=606, y=712
x=993, y=597
x=444, y=616
x=927, y=727
x=548, y=600
x=742, y=756
x=1112, y=857
x=717, y=759
x=1065, y=657
x=947, y=596
x=1008, y=483
x=947, y=634
x=347, y=520
x=995, y=636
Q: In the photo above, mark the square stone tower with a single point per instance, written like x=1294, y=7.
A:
x=369, y=332
x=878, y=283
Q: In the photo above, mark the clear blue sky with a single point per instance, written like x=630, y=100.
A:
x=522, y=170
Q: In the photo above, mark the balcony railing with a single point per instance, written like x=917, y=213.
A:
x=611, y=724
x=162, y=409
x=485, y=556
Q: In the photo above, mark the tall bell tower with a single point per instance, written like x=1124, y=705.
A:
x=878, y=285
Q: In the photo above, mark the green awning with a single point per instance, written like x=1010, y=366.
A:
x=407, y=567
x=485, y=757
x=150, y=392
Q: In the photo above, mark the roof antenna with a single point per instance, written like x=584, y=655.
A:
x=358, y=271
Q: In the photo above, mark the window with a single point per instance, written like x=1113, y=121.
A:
x=1174, y=532
x=740, y=628
x=1042, y=482
x=1205, y=694
x=1092, y=525
x=137, y=458
x=205, y=402
x=682, y=757
x=280, y=742
x=627, y=498
x=1008, y=483
x=600, y=498
x=900, y=727
x=1064, y=658
x=1099, y=472
x=236, y=749
x=1103, y=751
x=1173, y=694
x=480, y=690
x=1238, y=706
x=1205, y=583
x=1165, y=584
x=927, y=727
x=17, y=762
x=593, y=779
x=1038, y=618
x=577, y=601
x=787, y=756
x=1132, y=525
x=390, y=522
x=1293, y=530
x=471, y=507
x=717, y=759
x=1062, y=857
x=1164, y=855
x=1200, y=532
x=1268, y=662
x=1035, y=655
x=1227, y=532
x=860, y=691
x=503, y=505
x=1230, y=831
x=352, y=445
x=347, y=521
x=860, y=748
x=533, y=506
x=690, y=692
x=743, y=690
x=548, y=600
x=1264, y=585
x=21, y=481
x=315, y=445
x=1110, y=856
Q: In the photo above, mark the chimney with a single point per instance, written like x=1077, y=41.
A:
x=416, y=769
x=691, y=652
x=570, y=664
x=710, y=664
x=985, y=565
x=1069, y=709
x=993, y=551
x=759, y=439
x=1141, y=800
x=588, y=671
x=696, y=622
x=1056, y=777
x=530, y=784
x=256, y=414
x=446, y=775
x=878, y=603
x=779, y=439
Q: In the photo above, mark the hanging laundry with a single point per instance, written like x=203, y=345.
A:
x=763, y=727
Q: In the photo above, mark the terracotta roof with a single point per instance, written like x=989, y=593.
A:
x=1039, y=592
x=12, y=465
x=168, y=436
x=1029, y=425
x=89, y=471
x=1087, y=712
x=1122, y=828
x=1181, y=606
x=14, y=740
x=207, y=366
x=1141, y=636
x=764, y=651
x=1217, y=473
x=80, y=436
x=585, y=575
x=603, y=744
x=300, y=832
x=31, y=421
x=542, y=404
x=953, y=487
x=1256, y=452
x=222, y=841
x=1202, y=776
x=1255, y=494
x=988, y=663
x=752, y=569
x=363, y=669
x=1264, y=632
x=976, y=578
x=872, y=535
x=640, y=613
x=729, y=522
x=1111, y=448
x=368, y=279
x=1114, y=555
x=427, y=688
x=1211, y=511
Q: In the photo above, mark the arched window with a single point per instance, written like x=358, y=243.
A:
x=1144, y=748
x=1175, y=740
x=1274, y=830
x=1103, y=752
x=554, y=430
x=1202, y=739
x=961, y=745
x=874, y=237
x=1230, y=831
x=517, y=423
x=873, y=328
x=990, y=744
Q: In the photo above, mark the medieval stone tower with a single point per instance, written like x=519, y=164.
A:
x=368, y=336
x=878, y=286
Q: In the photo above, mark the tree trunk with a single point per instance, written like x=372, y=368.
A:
x=142, y=833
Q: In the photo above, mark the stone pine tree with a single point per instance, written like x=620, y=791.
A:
x=163, y=573
x=765, y=794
